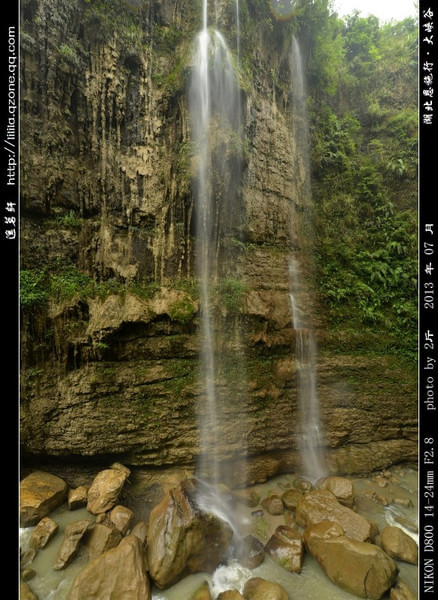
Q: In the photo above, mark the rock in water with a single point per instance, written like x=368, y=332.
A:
x=260, y=589
x=360, y=568
x=250, y=553
x=182, y=539
x=230, y=595
x=43, y=533
x=40, y=494
x=286, y=548
x=101, y=538
x=401, y=592
x=105, y=489
x=77, y=498
x=26, y=593
x=273, y=505
x=119, y=574
x=74, y=532
x=341, y=487
x=399, y=545
x=322, y=505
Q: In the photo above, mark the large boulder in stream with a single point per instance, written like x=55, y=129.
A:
x=119, y=574
x=74, y=532
x=360, y=568
x=322, y=505
x=43, y=533
x=286, y=548
x=399, y=545
x=341, y=487
x=105, y=490
x=258, y=588
x=40, y=494
x=182, y=538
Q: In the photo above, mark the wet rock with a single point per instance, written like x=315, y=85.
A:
x=359, y=568
x=101, y=538
x=401, y=592
x=28, y=557
x=230, y=595
x=40, y=494
x=302, y=484
x=26, y=593
x=118, y=573
x=28, y=574
x=141, y=531
x=273, y=505
x=286, y=548
x=250, y=553
x=77, y=498
x=105, y=489
x=341, y=487
x=74, y=532
x=321, y=505
x=247, y=497
x=399, y=545
x=43, y=533
x=182, y=539
x=203, y=593
x=290, y=498
x=122, y=518
x=325, y=530
x=258, y=588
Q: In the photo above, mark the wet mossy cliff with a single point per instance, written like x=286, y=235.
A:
x=110, y=301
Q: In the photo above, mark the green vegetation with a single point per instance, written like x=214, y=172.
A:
x=363, y=115
x=231, y=293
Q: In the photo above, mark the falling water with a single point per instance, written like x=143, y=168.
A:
x=214, y=109
x=310, y=434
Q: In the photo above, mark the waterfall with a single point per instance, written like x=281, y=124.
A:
x=309, y=426
x=215, y=122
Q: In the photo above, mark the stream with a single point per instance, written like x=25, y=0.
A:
x=399, y=487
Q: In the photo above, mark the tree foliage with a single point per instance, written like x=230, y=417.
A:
x=362, y=106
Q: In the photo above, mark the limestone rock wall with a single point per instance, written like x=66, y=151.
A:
x=107, y=191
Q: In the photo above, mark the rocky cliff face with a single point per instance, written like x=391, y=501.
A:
x=110, y=359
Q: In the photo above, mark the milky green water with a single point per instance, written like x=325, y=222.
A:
x=310, y=584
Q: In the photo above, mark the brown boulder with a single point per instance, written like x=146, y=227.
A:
x=183, y=539
x=101, y=538
x=290, y=498
x=286, y=548
x=399, y=545
x=341, y=487
x=321, y=505
x=359, y=568
x=105, y=489
x=119, y=574
x=261, y=589
x=40, y=494
x=202, y=593
x=43, y=533
x=273, y=505
x=250, y=553
x=74, y=532
x=122, y=518
x=26, y=593
x=401, y=592
x=77, y=498
x=230, y=595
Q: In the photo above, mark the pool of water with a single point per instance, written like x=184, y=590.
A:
x=402, y=510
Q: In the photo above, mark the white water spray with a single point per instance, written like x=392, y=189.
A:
x=310, y=431
x=215, y=120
